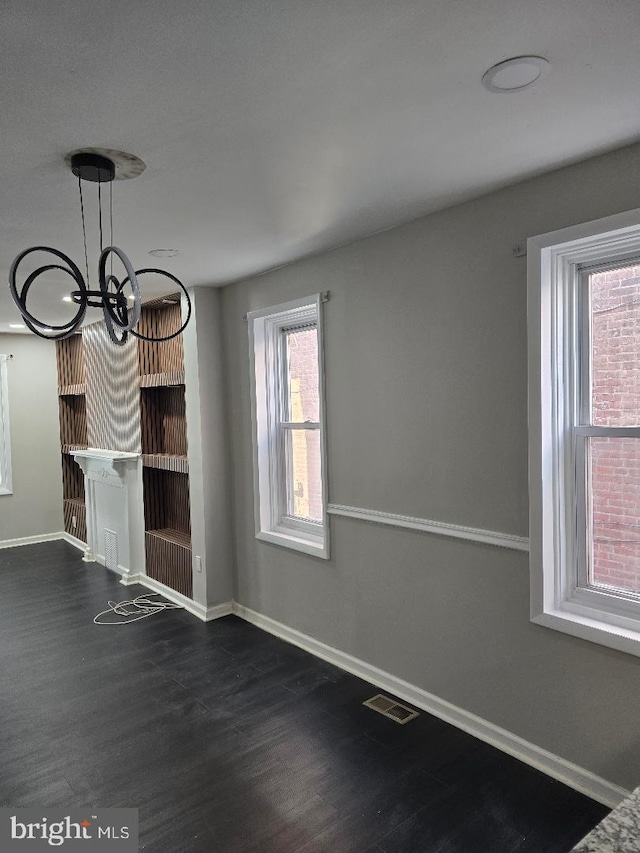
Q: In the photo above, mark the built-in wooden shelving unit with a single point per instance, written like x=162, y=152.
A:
x=164, y=448
x=73, y=432
x=163, y=438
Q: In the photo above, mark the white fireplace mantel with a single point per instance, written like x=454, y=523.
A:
x=105, y=465
x=114, y=506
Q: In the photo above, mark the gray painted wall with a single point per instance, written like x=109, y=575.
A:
x=35, y=507
x=426, y=363
x=209, y=487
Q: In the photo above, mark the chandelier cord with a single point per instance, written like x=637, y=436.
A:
x=100, y=213
x=111, y=221
x=84, y=231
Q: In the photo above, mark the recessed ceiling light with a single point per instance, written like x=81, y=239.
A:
x=131, y=297
x=163, y=253
x=515, y=74
x=17, y=326
x=46, y=329
x=67, y=299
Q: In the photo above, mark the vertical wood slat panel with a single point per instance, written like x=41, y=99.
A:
x=75, y=509
x=169, y=562
x=72, y=479
x=113, y=408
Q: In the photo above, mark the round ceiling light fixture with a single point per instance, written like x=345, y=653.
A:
x=514, y=75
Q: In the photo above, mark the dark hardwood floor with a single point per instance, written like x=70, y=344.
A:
x=228, y=739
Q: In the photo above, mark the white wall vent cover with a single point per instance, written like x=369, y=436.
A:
x=111, y=549
x=392, y=709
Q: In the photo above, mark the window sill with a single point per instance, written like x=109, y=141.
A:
x=5, y=491
x=319, y=548
x=593, y=628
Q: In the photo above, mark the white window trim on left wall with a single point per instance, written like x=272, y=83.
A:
x=271, y=523
x=6, y=484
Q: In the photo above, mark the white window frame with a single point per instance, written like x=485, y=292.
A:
x=267, y=372
x=559, y=599
x=6, y=485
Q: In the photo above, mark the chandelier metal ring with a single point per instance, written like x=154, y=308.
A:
x=187, y=300
x=126, y=324
x=25, y=291
x=20, y=298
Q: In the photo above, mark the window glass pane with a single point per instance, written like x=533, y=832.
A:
x=303, y=400
x=304, y=482
x=615, y=346
x=614, y=523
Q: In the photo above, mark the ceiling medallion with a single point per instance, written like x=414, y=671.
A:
x=121, y=314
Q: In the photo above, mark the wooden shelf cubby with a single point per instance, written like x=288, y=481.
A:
x=73, y=505
x=163, y=419
x=165, y=359
x=73, y=422
x=70, y=359
x=168, y=528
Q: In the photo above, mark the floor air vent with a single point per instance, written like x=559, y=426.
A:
x=392, y=709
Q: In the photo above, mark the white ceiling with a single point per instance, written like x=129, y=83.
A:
x=273, y=129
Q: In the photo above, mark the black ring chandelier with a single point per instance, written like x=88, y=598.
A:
x=120, y=317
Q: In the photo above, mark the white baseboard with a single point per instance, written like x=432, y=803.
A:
x=31, y=540
x=131, y=579
x=553, y=765
x=73, y=540
x=206, y=614
x=217, y=611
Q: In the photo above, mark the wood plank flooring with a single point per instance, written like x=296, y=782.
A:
x=228, y=739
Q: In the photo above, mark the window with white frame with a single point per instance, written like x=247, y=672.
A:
x=5, y=444
x=584, y=404
x=288, y=426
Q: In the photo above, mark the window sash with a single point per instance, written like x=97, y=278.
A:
x=580, y=588
x=557, y=427
x=272, y=426
x=284, y=395
x=284, y=517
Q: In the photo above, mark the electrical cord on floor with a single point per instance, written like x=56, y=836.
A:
x=134, y=610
